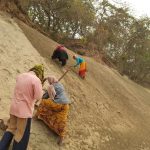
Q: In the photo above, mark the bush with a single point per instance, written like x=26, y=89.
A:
x=81, y=52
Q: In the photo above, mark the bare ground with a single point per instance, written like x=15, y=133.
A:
x=108, y=111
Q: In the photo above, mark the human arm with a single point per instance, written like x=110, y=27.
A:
x=51, y=92
x=77, y=62
x=67, y=56
x=38, y=92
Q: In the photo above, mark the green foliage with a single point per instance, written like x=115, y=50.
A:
x=138, y=50
x=81, y=52
x=68, y=17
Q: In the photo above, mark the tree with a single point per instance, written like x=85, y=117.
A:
x=66, y=17
x=138, y=50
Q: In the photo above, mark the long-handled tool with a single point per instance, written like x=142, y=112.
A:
x=61, y=76
x=36, y=104
x=69, y=68
x=64, y=74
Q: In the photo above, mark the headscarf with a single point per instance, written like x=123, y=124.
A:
x=39, y=71
x=52, y=79
x=56, y=91
x=74, y=56
x=60, y=96
x=51, y=89
x=60, y=46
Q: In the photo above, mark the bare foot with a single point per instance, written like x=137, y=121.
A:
x=35, y=117
x=60, y=141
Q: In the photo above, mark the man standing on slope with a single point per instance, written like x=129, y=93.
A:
x=28, y=89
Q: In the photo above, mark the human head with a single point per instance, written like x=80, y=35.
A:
x=74, y=56
x=60, y=46
x=52, y=79
x=39, y=71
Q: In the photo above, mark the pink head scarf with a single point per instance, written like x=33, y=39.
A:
x=51, y=90
x=52, y=79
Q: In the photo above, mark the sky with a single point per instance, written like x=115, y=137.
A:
x=138, y=7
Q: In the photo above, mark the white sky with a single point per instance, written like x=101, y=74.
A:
x=138, y=7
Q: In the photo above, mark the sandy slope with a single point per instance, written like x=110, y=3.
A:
x=109, y=112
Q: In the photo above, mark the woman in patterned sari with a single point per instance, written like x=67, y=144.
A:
x=81, y=62
x=54, y=107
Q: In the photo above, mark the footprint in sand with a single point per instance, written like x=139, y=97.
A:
x=5, y=73
x=1, y=51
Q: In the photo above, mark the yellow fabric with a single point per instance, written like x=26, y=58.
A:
x=82, y=66
x=39, y=71
x=82, y=70
x=54, y=115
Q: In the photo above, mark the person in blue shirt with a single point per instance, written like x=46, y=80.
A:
x=82, y=65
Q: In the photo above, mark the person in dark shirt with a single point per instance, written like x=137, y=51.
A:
x=60, y=54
